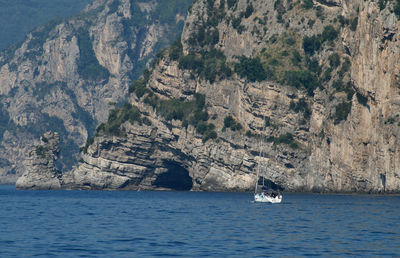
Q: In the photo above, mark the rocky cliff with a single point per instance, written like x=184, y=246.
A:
x=68, y=72
x=316, y=81
x=41, y=170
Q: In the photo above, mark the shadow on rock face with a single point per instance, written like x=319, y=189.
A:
x=176, y=178
x=268, y=184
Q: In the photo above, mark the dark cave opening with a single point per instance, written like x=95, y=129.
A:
x=268, y=184
x=176, y=178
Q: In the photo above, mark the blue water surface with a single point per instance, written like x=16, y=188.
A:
x=193, y=224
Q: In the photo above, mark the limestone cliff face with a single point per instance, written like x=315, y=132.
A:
x=321, y=82
x=363, y=153
x=41, y=172
x=152, y=153
x=66, y=72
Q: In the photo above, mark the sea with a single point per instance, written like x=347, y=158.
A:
x=195, y=224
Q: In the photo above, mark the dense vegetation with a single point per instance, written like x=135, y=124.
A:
x=342, y=110
x=252, y=69
x=302, y=78
x=192, y=112
x=313, y=44
x=118, y=116
x=18, y=17
x=88, y=65
x=290, y=59
x=208, y=64
x=204, y=60
x=4, y=121
x=285, y=139
x=301, y=106
x=230, y=122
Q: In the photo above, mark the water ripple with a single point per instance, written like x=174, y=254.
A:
x=187, y=224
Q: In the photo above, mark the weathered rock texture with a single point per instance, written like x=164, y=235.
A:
x=41, y=171
x=363, y=154
x=66, y=73
x=344, y=133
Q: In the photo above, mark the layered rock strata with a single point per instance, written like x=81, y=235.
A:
x=68, y=73
x=340, y=136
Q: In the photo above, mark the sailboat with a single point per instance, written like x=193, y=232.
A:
x=263, y=194
x=268, y=197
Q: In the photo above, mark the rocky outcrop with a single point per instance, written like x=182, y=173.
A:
x=68, y=72
x=320, y=89
x=151, y=157
x=41, y=171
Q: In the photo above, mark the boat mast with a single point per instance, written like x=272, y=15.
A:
x=261, y=155
x=262, y=150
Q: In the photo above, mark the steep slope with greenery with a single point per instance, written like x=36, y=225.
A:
x=318, y=80
x=68, y=72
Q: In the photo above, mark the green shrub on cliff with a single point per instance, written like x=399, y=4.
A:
x=230, y=122
x=4, y=121
x=313, y=43
x=174, y=109
x=334, y=60
x=302, y=78
x=251, y=68
x=209, y=134
x=382, y=4
x=118, y=116
x=191, y=112
x=207, y=65
x=139, y=88
x=284, y=139
x=88, y=65
x=301, y=106
x=354, y=23
x=89, y=142
x=249, y=11
x=307, y=4
x=329, y=33
x=231, y=3
x=342, y=110
x=396, y=8
x=41, y=151
x=183, y=110
x=190, y=62
x=175, y=51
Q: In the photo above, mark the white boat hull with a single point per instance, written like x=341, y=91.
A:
x=267, y=198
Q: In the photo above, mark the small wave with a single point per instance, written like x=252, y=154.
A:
x=177, y=243
x=136, y=239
